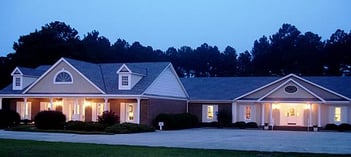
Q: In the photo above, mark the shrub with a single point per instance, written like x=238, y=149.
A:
x=344, y=127
x=84, y=126
x=108, y=118
x=176, y=121
x=331, y=127
x=50, y=120
x=240, y=124
x=251, y=125
x=128, y=128
x=8, y=118
x=224, y=118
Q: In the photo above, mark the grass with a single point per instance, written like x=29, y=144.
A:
x=17, y=148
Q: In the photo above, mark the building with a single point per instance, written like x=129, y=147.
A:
x=287, y=101
x=138, y=92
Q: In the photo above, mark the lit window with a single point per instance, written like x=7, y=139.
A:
x=63, y=77
x=18, y=81
x=125, y=81
x=210, y=112
x=248, y=112
x=99, y=109
x=337, y=114
x=130, y=112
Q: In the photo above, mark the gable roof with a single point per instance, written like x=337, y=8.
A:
x=230, y=88
x=222, y=88
x=101, y=75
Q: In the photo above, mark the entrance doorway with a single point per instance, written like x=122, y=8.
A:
x=291, y=114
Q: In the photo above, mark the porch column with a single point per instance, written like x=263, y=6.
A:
x=319, y=115
x=76, y=110
x=310, y=116
x=0, y=103
x=234, y=105
x=51, y=104
x=25, y=108
x=271, y=114
x=106, y=104
x=138, y=111
x=262, y=118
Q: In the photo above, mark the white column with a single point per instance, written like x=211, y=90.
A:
x=234, y=105
x=51, y=104
x=310, y=116
x=25, y=109
x=271, y=114
x=106, y=104
x=262, y=118
x=0, y=103
x=319, y=115
x=138, y=111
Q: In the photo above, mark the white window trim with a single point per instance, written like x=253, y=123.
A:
x=247, y=119
x=205, y=118
x=14, y=86
x=124, y=87
x=340, y=114
x=63, y=70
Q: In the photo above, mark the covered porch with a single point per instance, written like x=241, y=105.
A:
x=80, y=108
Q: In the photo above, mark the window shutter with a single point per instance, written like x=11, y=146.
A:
x=204, y=113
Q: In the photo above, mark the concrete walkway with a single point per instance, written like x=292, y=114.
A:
x=231, y=139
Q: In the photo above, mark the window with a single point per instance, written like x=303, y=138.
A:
x=125, y=81
x=210, y=112
x=24, y=109
x=18, y=81
x=130, y=112
x=248, y=113
x=337, y=114
x=63, y=77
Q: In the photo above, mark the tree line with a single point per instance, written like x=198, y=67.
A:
x=286, y=51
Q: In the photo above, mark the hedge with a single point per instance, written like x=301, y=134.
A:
x=125, y=128
x=50, y=120
x=9, y=118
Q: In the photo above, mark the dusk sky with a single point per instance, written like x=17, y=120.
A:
x=166, y=23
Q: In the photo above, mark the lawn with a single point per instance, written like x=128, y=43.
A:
x=19, y=148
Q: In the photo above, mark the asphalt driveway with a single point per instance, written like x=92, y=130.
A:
x=231, y=139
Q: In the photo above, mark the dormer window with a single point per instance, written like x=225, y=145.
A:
x=124, y=78
x=127, y=79
x=17, y=79
x=124, y=81
x=63, y=77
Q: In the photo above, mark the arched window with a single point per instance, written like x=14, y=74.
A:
x=63, y=77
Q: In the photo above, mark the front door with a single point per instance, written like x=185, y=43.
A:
x=291, y=116
x=88, y=114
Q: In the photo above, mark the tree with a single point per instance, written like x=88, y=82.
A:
x=96, y=48
x=53, y=41
x=261, y=53
x=338, y=52
x=244, y=63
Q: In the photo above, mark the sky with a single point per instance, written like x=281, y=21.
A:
x=175, y=23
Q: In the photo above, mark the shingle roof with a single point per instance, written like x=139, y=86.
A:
x=32, y=72
x=222, y=88
x=105, y=77
x=36, y=72
x=229, y=88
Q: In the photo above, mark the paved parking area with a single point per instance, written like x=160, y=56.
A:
x=231, y=139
